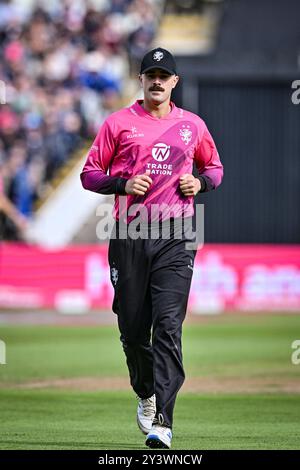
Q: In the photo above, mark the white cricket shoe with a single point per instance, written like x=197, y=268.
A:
x=145, y=413
x=159, y=437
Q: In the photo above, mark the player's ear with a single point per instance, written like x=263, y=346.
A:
x=176, y=80
x=140, y=79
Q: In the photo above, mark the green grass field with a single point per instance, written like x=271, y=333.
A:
x=251, y=399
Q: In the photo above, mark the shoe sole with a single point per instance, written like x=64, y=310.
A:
x=154, y=443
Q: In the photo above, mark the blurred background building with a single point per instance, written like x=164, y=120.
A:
x=68, y=64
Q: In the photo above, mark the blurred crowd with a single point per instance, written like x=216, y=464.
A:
x=64, y=64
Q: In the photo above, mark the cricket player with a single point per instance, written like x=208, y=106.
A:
x=144, y=155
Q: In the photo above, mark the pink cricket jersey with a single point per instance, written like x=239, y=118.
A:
x=132, y=141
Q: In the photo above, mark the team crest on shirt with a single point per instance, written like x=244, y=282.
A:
x=185, y=134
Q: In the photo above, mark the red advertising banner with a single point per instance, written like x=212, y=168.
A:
x=76, y=278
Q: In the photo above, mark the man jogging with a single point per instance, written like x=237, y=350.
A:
x=149, y=149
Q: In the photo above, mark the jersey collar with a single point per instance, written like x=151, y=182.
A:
x=138, y=108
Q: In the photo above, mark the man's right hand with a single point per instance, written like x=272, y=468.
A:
x=139, y=184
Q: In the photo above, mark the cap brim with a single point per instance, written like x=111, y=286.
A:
x=171, y=72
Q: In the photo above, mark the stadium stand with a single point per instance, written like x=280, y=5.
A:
x=65, y=68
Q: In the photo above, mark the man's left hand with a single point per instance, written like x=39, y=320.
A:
x=189, y=185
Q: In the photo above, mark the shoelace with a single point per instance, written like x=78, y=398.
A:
x=160, y=420
x=148, y=406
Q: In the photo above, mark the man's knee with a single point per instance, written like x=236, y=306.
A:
x=131, y=343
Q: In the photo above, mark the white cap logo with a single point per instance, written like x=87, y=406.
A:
x=160, y=152
x=158, y=55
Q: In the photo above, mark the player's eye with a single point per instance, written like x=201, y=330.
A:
x=163, y=76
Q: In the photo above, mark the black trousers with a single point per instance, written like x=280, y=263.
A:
x=151, y=279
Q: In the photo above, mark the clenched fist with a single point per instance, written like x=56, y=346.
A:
x=189, y=185
x=139, y=184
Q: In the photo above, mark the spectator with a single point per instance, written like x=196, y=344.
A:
x=12, y=222
x=64, y=64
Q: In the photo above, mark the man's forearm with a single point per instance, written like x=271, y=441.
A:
x=98, y=182
x=206, y=183
x=210, y=179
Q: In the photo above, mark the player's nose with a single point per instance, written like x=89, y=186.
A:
x=156, y=80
